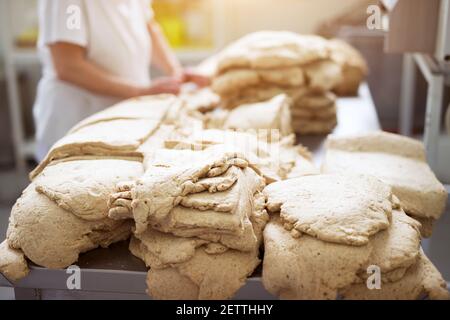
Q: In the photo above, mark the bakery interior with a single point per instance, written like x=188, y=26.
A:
x=349, y=156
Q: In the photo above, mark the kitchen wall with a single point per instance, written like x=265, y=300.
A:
x=304, y=16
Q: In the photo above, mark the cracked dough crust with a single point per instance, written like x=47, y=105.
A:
x=306, y=206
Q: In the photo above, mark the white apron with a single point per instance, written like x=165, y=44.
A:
x=115, y=35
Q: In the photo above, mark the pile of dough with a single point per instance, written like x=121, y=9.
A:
x=64, y=212
x=319, y=246
x=264, y=64
x=196, y=214
x=398, y=161
x=115, y=132
x=354, y=67
x=314, y=113
x=271, y=117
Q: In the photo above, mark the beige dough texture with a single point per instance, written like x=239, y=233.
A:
x=269, y=115
x=272, y=49
x=153, y=107
x=308, y=268
x=53, y=237
x=398, y=161
x=109, y=138
x=12, y=263
x=236, y=79
x=354, y=67
x=422, y=280
x=306, y=206
x=83, y=187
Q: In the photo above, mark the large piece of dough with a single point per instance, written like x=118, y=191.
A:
x=236, y=79
x=396, y=248
x=52, y=237
x=153, y=107
x=308, y=268
x=83, y=187
x=267, y=115
x=398, y=161
x=422, y=280
x=155, y=197
x=272, y=49
x=337, y=208
x=12, y=263
x=120, y=138
x=354, y=67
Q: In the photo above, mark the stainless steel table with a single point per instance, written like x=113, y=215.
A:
x=114, y=273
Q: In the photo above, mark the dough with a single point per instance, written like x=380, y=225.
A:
x=202, y=100
x=268, y=115
x=319, y=126
x=204, y=277
x=323, y=75
x=272, y=160
x=426, y=228
x=307, y=268
x=421, y=280
x=109, y=138
x=196, y=269
x=154, y=107
x=83, y=187
x=157, y=139
x=319, y=206
x=169, y=284
x=261, y=93
x=284, y=77
x=161, y=250
x=229, y=228
x=236, y=79
x=52, y=237
x=156, y=195
x=304, y=114
x=397, y=247
x=12, y=263
x=398, y=161
x=272, y=49
x=315, y=101
x=354, y=67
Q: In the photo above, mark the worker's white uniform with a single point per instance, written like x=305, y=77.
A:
x=115, y=35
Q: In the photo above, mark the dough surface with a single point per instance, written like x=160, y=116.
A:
x=52, y=237
x=420, y=281
x=12, y=263
x=272, y=49
x=83, y=187
x=109, y=138
x=154, y=107
x=307, y=268
x=306, y=205
x=398, y=161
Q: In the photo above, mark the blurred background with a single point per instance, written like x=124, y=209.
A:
x=197, y=29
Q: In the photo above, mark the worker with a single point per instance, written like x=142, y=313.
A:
x=95, y=53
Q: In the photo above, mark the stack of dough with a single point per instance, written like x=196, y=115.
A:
x=398, y=161
x=199, y=216
x=264, y=64
x=269, y=119
x=64, y=211
x=275, y=160
x=344, y=236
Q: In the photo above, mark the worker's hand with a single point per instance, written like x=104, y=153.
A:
x=164, y=85
x=190, y=75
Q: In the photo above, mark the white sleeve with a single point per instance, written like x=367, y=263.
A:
x=63, y=21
